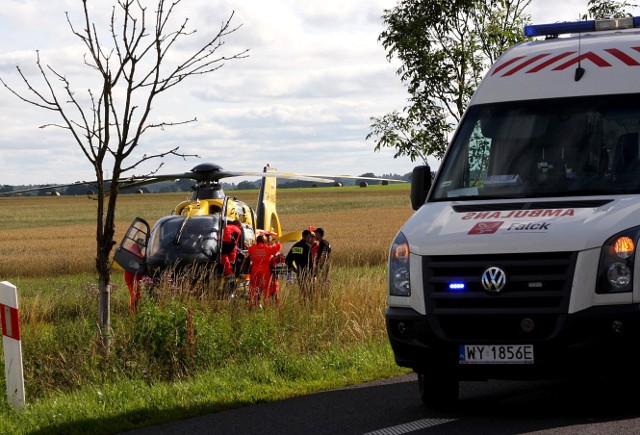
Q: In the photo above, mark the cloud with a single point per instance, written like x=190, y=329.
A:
x=302, y=99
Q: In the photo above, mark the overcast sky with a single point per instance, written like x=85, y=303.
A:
x=301, y=101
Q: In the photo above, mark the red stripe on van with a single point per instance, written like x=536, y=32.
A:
x=588, y=56
x=548, y=62
x=506, y=64
x=525, y=64
x=624, y=57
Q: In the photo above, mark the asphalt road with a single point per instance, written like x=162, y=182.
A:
x=392, y=406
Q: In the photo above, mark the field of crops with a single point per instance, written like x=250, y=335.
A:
x=186, y=353
x=50, y=236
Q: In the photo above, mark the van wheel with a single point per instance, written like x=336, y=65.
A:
x=438, y=389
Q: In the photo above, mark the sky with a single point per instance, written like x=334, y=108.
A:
x=301, y=101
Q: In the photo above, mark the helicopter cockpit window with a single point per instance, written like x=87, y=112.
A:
x=135, y=239
x=177, y=239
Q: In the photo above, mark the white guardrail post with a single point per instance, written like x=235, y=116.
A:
x=11, y=344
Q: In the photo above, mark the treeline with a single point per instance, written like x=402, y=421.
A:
x=185, y=185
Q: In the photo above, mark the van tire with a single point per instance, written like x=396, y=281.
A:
x=438, y=389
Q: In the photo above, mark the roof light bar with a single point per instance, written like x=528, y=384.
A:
x=614, y=23
x=556, y=29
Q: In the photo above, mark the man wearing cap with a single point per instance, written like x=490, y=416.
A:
x=300, y=261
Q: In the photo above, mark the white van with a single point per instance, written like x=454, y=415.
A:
x=519, y=262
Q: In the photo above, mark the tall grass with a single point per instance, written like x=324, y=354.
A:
x=177, y=333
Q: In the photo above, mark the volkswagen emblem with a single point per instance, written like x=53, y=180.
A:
x=494, y=279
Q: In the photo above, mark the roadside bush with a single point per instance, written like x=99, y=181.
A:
x=167, y=336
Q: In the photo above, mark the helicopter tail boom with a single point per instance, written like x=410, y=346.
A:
x=267, y=217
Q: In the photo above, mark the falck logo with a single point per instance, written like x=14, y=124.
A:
x=494, y=279
x=485, y=227
x=558, y=62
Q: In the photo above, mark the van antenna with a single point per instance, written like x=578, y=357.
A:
x=579, y=70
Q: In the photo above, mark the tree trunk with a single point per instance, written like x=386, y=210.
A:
x=105, y=235
x=104, y=316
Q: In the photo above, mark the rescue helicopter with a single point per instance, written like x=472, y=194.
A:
x=191, y=236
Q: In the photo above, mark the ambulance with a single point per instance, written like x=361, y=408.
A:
x=520, y=259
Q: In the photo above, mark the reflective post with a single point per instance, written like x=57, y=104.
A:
x=9, y=317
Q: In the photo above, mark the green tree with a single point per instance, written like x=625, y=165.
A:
x=598, y=9
x=444, y=46
x=247, y=185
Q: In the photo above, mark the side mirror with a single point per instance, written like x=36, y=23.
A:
x=420, y=185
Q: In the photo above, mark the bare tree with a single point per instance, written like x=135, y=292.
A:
x=140, y=62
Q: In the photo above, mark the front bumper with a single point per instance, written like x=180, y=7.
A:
x=563, y=344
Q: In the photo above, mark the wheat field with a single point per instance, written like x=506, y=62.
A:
x=52, y=236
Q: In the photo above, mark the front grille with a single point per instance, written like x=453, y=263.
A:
x=537, y=283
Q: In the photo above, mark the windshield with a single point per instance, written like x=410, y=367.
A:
x=542, y=148
x=185, y=239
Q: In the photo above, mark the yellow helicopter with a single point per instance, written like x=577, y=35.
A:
x=191, y=237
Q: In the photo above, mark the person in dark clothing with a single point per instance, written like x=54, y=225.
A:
x=300, y=261
x=321, y=257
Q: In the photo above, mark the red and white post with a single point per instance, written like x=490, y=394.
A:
x=9, y=317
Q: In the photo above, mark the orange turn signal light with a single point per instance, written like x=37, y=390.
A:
x=624, y=247
x=401, y=251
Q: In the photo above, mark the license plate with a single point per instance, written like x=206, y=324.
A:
x=496, y=354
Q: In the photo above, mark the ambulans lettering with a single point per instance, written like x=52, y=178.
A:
x=519, y=214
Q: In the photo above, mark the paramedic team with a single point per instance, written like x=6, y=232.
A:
x=309, y=259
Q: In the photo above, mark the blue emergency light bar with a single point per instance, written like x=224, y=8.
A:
x=556, y=29
x=457, y=286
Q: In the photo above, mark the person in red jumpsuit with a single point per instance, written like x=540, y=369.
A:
x=260, y=255
x=133, y=279
x=230, y=237
x=277, y=260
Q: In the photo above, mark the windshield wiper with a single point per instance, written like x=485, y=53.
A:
x=179, y=235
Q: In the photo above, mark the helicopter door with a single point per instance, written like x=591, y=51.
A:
x=131, y=254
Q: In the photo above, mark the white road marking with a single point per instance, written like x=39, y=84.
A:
x=411, y=426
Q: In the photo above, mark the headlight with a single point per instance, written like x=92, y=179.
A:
x=615, y=273
x=399, y=283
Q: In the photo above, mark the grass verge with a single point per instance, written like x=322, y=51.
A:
x=129, y=404
x=186, y=353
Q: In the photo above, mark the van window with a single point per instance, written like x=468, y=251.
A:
x=543, y=148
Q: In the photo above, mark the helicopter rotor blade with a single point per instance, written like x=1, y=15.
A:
x=290, y=175
x=141, y=181
x=354, y=177
x=50, y=187
x=206, y=172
